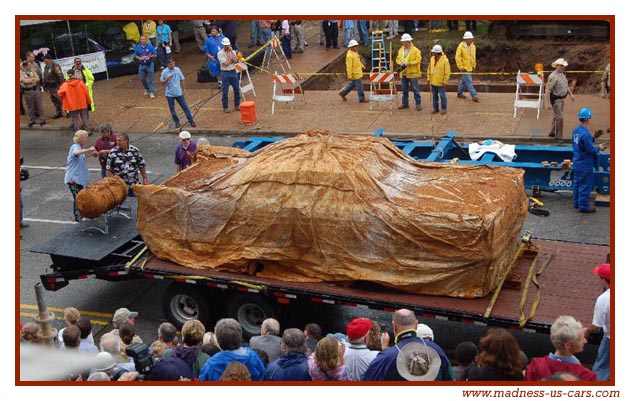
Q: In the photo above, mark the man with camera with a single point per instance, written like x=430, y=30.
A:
x=228, y=59
x=408, y=59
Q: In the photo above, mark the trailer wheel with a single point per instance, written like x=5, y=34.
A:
x=250, y=311
x=182, y=303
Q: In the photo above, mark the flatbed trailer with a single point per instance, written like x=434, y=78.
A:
x=567, y=285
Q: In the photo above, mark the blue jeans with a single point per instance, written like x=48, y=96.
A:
x=602, y=363
x=146, y=76
x=466, y=83
x=162, y=56
x=103, y=172
x=230, y=78
x=364, y=28
x=358, y=84
x=265, y=35
x=182, y=103
x=435, y=91
x=254, y=33
x=583, y=183
x=349, y=35
x=405, y=91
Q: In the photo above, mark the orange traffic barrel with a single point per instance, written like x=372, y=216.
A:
x=248, y=112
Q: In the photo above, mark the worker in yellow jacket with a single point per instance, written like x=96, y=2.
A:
x=354, y=72
x=466, y=60
x=438, y=74
x=408, y=59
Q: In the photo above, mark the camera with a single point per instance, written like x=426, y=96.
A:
x=142, y=360
x=400, y=68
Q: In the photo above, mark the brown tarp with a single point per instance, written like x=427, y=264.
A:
x=340, y=208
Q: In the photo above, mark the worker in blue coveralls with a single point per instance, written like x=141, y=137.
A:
x=211, y=48
x=584, y=151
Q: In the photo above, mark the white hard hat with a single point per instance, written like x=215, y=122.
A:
x=353, y=43
x=184, y=135
x=436, y=49
x=406, y=38
x=468, y=35
x=225, y=42
x=104, y=361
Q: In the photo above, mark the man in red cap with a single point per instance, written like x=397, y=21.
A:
x=357, y=355
x=601, y=320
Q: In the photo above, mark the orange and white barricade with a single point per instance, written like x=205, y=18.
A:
x=383, y=88
x=242, y=69
x=285, y=89
x=529, y=99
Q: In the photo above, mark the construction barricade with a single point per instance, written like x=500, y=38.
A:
x=528, y=99
x=285, y=89
x=383, y=88
x=243, y=70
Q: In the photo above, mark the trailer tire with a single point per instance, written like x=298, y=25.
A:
x=250, y=311
x=184, y=302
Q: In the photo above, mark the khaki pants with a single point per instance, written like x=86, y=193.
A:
x=297, y=37
x=201, y=36
x=34, y=105
x=557, y=124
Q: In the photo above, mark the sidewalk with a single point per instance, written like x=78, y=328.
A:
x=121, y=101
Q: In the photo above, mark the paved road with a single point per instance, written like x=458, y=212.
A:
x=48, y=210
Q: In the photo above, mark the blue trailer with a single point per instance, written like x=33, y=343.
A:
x=543, y=165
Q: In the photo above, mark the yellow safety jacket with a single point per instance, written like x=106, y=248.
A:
x=354, y=67
x=439, y=73
x=466, y=60
x=413, y=60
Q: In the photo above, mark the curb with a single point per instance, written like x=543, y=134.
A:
x=391, y=136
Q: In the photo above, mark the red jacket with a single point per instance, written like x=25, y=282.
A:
x=75, y=95
x=541, y=368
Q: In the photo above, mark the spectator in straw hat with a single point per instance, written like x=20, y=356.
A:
x=558, y=89
x=385, y=365
x=601, y=321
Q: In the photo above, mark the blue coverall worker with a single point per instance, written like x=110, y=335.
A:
x=584, y=151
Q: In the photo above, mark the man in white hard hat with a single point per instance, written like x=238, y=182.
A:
x=466, y=60
x=408, y=59
x=558, y=89
x=184, y=152
x=228, y=59
x=438, y=74
x=354, y=72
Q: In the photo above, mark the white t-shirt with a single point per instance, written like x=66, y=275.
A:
x=601, y=316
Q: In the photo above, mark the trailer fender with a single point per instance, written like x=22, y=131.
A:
x=250, y=311
x=183, y=302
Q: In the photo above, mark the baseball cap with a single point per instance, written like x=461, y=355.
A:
x=603, y=271
x=170, y=369
x=184, y=135
x=358, y=328
x=121, y=315
x=424, y=331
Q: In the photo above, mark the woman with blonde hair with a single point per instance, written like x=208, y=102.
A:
x=326, y=363
x=77, y=174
